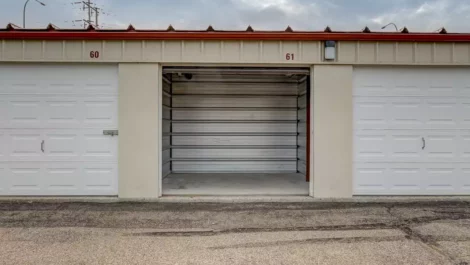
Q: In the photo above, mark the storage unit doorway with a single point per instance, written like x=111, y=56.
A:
x=235, y=131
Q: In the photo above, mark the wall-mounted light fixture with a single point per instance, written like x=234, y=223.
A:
x=330, y=50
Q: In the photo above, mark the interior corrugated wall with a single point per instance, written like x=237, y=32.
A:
x=234, y=123
x=302, y=127
x=166, y=127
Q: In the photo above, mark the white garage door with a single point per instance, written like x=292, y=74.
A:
x=411, y=131
x=52, y=119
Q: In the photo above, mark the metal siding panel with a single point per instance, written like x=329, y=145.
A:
x=311, y=51
x=166, y=126
x=53, y=50
x=386, y=52
x=112, y=50
x=278, y=115
x=132, y=51
x=347, y=52
x=166, y=156
x=231, y=51
x=367, y=52
x=205, y=101
x=166, y=101
x=234, y=127
x=32, y=50
x=234, y=153
x=165, y=142
x=443, y=53
x=73, y=50
x=405, y=52
x=246, y=167
x=166, y=169
x=234, y=140
x=220, y=88
x=462, y=53
x=172, y=51
x=213, y=51
x=424, y=52
x=235, y=105
x=153, y=50
x=95, y=46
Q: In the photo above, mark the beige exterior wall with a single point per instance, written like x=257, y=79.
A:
x=140, y=87
x=139, y=130
x=229, y=52
x=332, y=131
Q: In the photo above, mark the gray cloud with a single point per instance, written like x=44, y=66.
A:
x=417, y=15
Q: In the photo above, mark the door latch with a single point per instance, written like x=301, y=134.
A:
x=111, y=132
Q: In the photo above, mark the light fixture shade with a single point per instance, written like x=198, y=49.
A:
x=330, y=50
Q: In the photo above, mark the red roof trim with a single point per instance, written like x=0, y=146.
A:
x=158, y=35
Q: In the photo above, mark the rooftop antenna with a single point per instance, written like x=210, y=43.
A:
x=396, y=28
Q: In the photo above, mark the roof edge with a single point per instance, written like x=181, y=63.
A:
x=95, y=34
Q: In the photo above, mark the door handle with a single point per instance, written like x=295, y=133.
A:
x=42, y=146
x=424, y=143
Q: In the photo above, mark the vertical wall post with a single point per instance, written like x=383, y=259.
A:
x=140, y=130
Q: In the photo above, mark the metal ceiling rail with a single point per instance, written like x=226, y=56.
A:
x=231, y=134
x=234, y=146
x=235, y=159
x=236, y=121
x=272, y=71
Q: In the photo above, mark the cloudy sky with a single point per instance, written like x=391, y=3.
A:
x=417, y=15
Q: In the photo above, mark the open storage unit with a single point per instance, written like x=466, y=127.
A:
x=234, y=131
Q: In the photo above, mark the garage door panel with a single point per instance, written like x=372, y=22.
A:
x=441, y=113
x=52, y=119
x=411, y=179
x=24, y=145
x=370, y=145
x=441, y=145
x=62, y=113
x=57, y=79
x=414, y=140
x=62, y=177
x=464, y=146
x=62, y=145
x=25, y=178
x=370, y=178
x=100, y=112
x=3, y=112
x=58, y=178
x=4, y=146
x=99, y=147
x=24, y=112
x=464, y=112
x=411, y=113
x=4, y=177
x=409, y=82
x=100, y=178
x=441, y=178
x=464, y=177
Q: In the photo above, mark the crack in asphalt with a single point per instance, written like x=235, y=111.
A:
x=406, y=226
x=344, y=240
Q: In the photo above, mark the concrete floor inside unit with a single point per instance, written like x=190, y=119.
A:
x=235, y=184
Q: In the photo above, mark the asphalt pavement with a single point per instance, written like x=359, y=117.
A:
x=403, y=232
